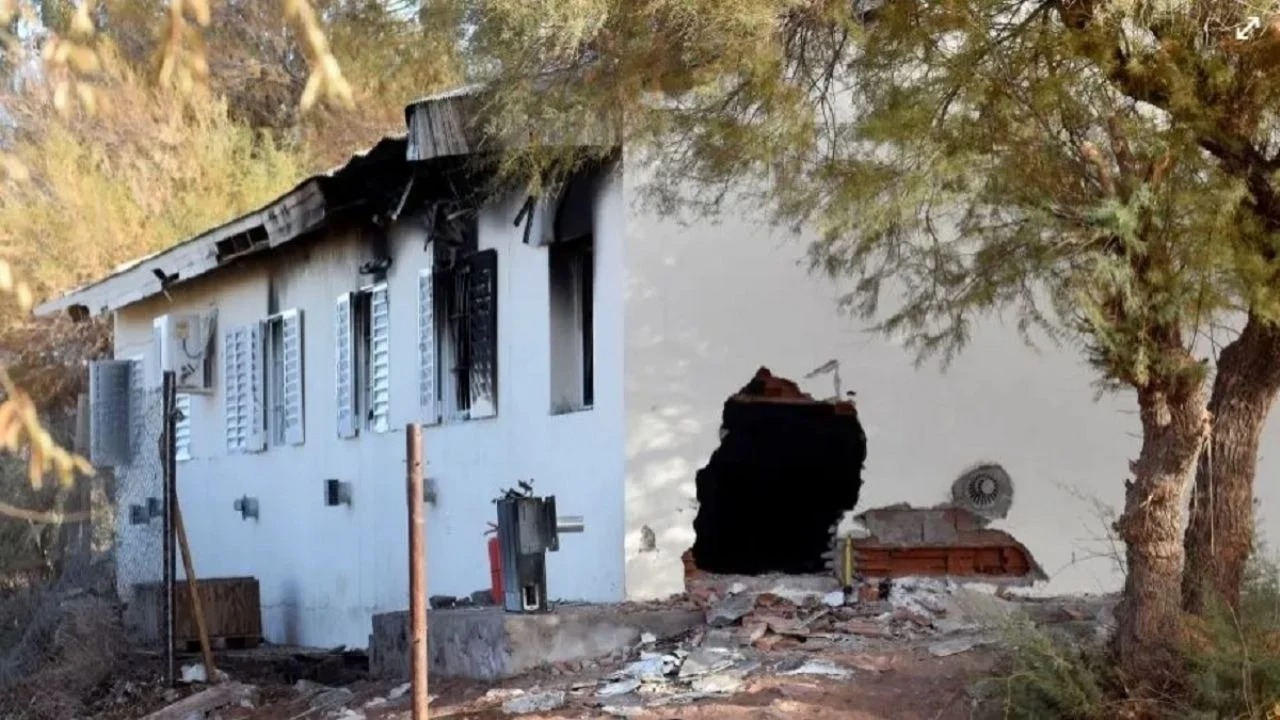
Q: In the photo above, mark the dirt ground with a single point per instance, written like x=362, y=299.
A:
x=918, y=655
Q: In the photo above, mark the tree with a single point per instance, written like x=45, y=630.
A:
x=1190, y=63
x=1094, y=213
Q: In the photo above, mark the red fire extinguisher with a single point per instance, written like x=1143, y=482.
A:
x=495, y=565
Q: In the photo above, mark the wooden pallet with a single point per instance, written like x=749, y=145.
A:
x=225, y=642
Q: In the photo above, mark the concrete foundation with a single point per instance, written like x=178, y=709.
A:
x=489, y=643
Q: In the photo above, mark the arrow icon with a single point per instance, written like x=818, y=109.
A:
x=1246, y=31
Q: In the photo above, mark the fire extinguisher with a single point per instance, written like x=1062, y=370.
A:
x=495, y=565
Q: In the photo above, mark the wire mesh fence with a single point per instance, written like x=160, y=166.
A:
x=78, y=594
x=140, y=517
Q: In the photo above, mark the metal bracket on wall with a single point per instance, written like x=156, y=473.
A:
x=247, y=507
x=143, y=514
x=429, y=491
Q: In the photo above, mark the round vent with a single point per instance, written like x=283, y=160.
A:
x=985, y=489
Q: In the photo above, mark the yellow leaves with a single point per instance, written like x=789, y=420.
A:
x=14, y=169
x=72, y=62
x=326, y=81
x=20, y=426
x=182, y=63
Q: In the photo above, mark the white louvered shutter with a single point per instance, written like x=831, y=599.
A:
x=234, y=362
x=427, y=389
x=182, y=427
x=255, y=385
x=291, y=395
x=379, y=359
x=345, y=368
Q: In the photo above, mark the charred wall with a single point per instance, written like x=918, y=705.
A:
x=787, y=467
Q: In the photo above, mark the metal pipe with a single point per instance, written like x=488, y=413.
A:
x=569, y=524
x=168, y=474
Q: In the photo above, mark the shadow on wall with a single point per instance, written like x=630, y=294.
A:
x=684, y=357
x=290, y=614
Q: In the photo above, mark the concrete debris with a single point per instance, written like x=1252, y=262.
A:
x=207, y=703
x=544, y=701
x=307, y=688
x=720, y=683
x=955, y=646
x=835, y=598
x=399, y=691
x=704, y=661
x=730, y=610
x=648, y=638
x=620, y=687
x=819, y=667
x=196, y=673
x=651, y=667
x=331, y=698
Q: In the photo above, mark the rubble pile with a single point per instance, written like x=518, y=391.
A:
x=760, y=632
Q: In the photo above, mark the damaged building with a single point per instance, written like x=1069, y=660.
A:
x=583, y=339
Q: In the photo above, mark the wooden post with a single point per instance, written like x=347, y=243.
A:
x=417, y=570
x=197, y=610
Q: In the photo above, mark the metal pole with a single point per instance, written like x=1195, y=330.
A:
x=417, y=570
x=168, y=463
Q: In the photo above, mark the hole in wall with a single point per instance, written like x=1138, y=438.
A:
x=787, y=468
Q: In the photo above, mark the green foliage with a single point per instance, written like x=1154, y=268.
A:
x=1233, y=662
x=1235, y=657
x=959, y=159
x=1047, y=675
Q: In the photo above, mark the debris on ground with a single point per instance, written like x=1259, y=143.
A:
x=205, y=702
x=782, y=642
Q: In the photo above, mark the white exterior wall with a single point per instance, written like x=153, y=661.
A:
x=708, y=306
x=324, y=571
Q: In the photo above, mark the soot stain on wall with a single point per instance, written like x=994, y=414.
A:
x=787, y=468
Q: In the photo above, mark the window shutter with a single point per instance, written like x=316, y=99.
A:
x=427, y=389
x=379, y=359
x=182, y=427
x=255, y=388
x=291, y=328
x=345, y=381
x=482, y=329
x=233, y=359
x=109, y=441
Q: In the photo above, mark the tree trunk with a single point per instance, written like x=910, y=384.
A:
x=1175, y=425
x=1219, y=536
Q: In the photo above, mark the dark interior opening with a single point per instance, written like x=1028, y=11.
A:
x=787, y=468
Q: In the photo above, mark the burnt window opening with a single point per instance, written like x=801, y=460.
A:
x=786, y=470
x=465, y=297
x=455, y=346
x=571, y=276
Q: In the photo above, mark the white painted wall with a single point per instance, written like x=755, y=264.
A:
x=324, y=571
x=706, y=307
